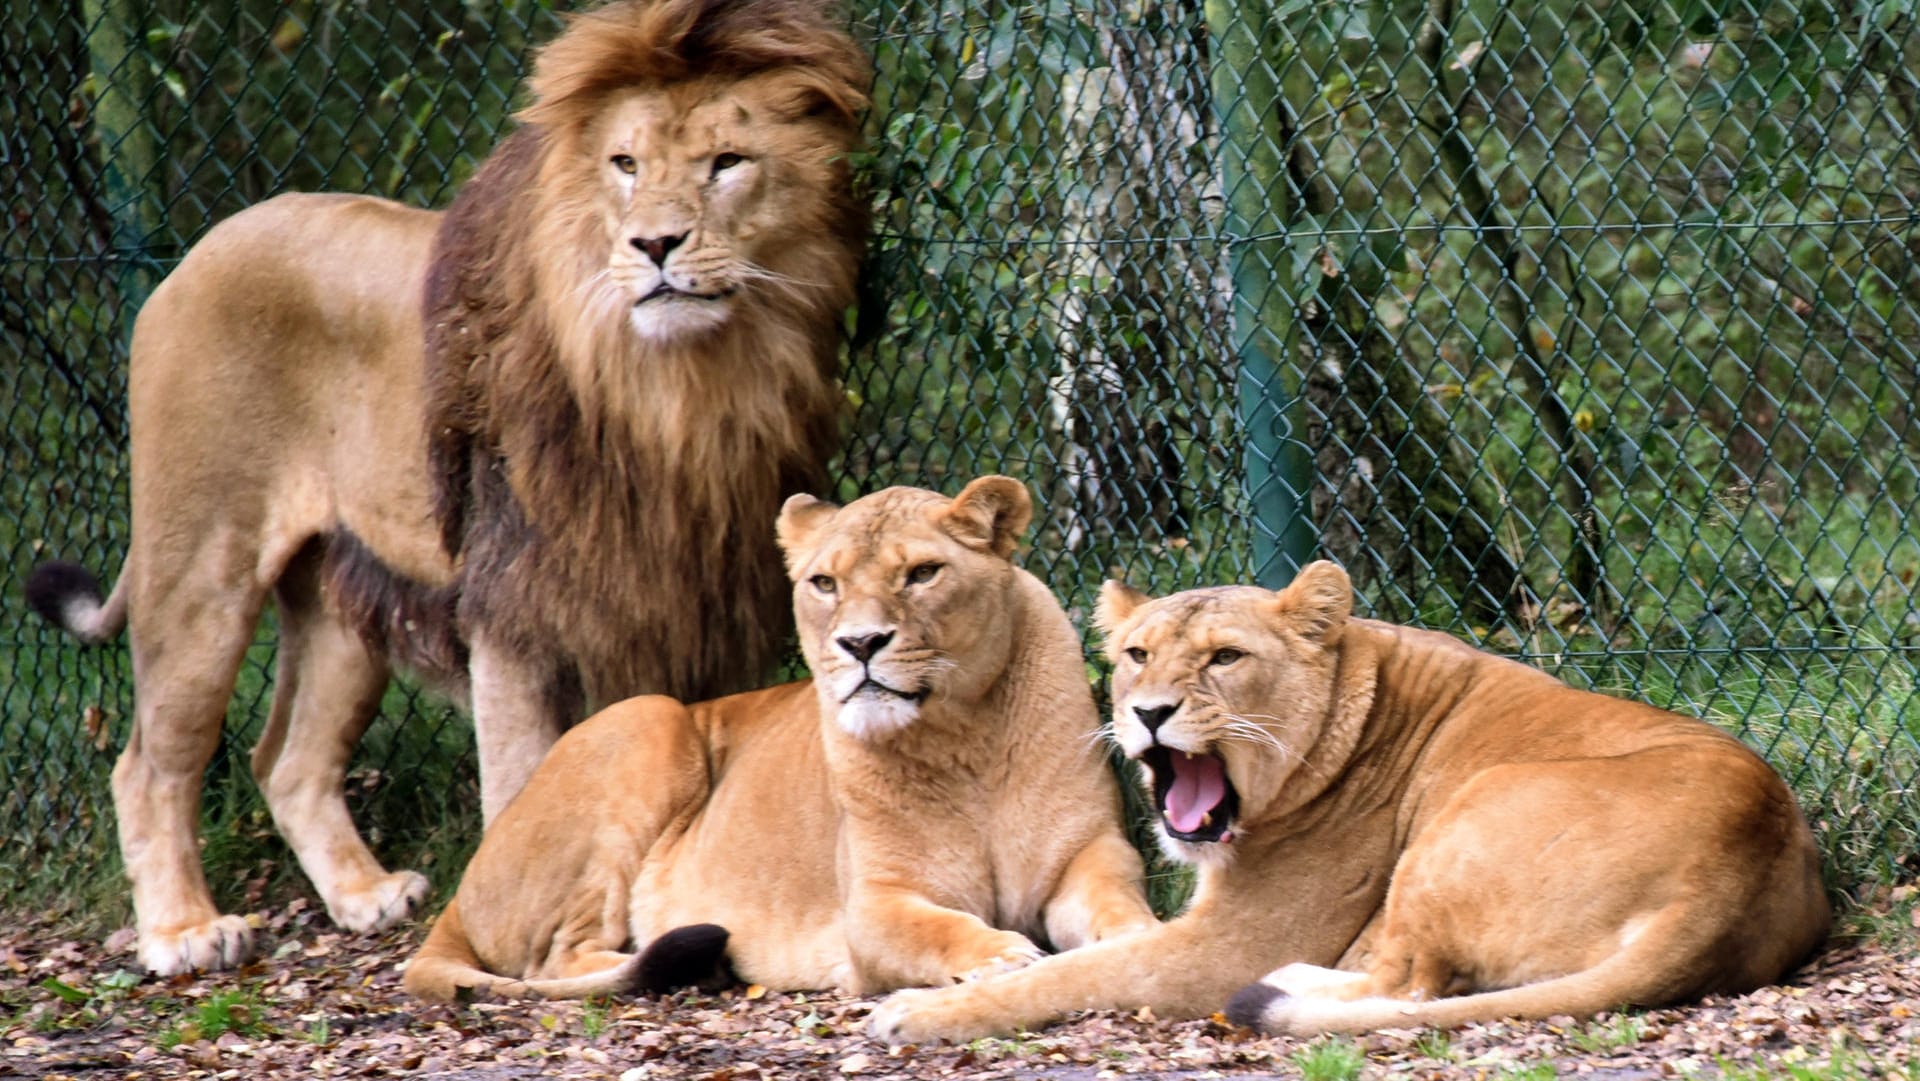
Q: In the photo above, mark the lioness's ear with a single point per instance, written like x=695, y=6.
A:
x=990, y=514
x=800, y=518
x=1318, y=601
x=1118, y=600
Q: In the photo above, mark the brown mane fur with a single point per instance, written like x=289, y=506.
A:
x=607, y=516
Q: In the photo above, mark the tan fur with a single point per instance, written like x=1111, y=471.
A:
x=481, y=432
x=1459, y=836
x=846, y=836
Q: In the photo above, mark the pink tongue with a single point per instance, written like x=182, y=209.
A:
x=1199, y=784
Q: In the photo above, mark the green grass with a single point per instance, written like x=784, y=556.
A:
x=1841, y=1064
x=1532, y=1071
x=236, y=1011
x=1435, y=1044
x=1329, y=1059
x=1598, y=1037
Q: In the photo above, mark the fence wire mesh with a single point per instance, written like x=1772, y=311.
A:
x=1583, y=330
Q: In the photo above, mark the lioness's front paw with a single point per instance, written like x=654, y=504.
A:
x=222, y=942
x=925, y=1016
x=1008, y=951
x=389, y=899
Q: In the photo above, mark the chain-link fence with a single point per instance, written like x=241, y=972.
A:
x=1584, y=330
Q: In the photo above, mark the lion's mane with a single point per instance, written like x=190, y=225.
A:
x=612, y=497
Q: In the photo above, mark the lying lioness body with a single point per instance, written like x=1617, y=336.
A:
x=1463, y=837
x=927, y=809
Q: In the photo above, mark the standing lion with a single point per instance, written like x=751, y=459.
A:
x=532, y=447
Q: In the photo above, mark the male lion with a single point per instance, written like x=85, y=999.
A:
x=527, y=446
x=1434, y=820
x=923, y=811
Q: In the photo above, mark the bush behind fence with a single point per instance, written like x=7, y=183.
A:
x=1583, y=330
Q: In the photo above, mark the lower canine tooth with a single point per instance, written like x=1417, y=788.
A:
x=1206, y=820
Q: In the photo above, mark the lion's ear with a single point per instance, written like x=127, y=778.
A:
x=801, y=517
x=991, y=514
x=1318, y=601
x=1118, y=600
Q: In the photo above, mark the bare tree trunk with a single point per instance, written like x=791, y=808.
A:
x=1585, y=571
x=1122, y=123
x=1394, y=499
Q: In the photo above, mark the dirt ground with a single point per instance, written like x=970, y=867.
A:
x=323, y=1004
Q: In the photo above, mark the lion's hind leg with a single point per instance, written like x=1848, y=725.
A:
x=327, y=688
x=189, y=637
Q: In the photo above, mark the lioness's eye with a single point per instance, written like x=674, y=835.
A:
x=922, y=573
x=1137, y=655
x=823, y=583
x=1225, y=656
x=723, y=162
x=625, y=163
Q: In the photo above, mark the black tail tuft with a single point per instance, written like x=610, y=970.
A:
x=54, y=585
x=1249, y=1004
x=690, y=956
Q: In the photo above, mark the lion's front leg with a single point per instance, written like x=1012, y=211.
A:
x=900, y=938
x=1176, y=968
x=521, y=704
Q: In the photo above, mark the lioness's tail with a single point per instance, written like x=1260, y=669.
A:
x=1619, y=980
x=446, y=969
x=68, y=596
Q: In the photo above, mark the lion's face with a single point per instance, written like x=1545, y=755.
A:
x=1219, y=694
x=709, y=192
x=903, y=598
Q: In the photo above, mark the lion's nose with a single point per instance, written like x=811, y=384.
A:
x=1154, y=716
x=862, y=647
x=657, y=247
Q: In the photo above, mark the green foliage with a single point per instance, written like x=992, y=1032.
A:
x=1329, y=1059
x=1532, y=1071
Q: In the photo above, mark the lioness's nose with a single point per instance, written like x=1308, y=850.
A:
x=1154, y=716
x=862, y=647
x=657, y=247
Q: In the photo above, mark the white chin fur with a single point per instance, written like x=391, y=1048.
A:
x=870, y=717
x=668, y=319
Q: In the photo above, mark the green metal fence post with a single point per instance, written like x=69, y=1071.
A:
x=1245, y=81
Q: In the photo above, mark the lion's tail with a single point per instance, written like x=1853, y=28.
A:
x=446, y=969
x=68, y=596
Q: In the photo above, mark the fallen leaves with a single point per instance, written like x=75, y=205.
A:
x=326, y=1004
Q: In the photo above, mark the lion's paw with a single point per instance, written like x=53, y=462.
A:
x=222, y=942
x=389, y=899
x=1016, y=951
x=923, y=1016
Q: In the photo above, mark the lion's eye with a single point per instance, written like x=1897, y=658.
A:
x=723, y=162
x=1137, y=655
x=1222, y=657
x=922, y=574
x=625, y=163
x=824, y=583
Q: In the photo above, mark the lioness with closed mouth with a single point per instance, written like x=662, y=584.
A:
x=1459, y=836
x=928, y=808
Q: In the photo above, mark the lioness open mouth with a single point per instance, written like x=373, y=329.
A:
x=1196, y=800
